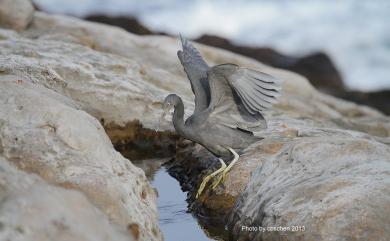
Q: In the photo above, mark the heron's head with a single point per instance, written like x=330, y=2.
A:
x=169, y=102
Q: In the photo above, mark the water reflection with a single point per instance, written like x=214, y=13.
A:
x=176, y=223
x=171, y=212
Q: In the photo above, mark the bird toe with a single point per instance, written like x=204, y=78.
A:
x=217, y=180
x=202, y=186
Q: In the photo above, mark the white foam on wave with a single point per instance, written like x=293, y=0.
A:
x=355, y=33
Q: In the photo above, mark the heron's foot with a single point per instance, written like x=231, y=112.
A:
x=207, y=178
x=219, y=179
x=202, y=185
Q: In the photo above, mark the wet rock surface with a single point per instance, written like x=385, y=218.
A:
x=136, y=142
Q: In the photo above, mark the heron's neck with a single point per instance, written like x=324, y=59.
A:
x=178, y=118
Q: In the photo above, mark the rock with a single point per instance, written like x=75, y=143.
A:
x=126, y=81
x=305, y=173
x=317, y=67
x=314, y=142
x=46, y=133
x=377, y=99
x=31, y=209
x=121, y=79
x=128, y=23
x=317, y=168
x=16, y=14
x=323, y=182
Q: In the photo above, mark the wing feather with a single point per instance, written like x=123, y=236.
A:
x=196, y=69
x=265, y=101
x=240, y=95
x=250, y=93
x=246, y=102
x=264, y=89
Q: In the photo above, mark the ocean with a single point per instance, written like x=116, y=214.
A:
x=354, y=33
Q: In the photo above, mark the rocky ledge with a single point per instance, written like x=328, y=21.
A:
x=317, y=67
x=323, y=165
x=70, y=88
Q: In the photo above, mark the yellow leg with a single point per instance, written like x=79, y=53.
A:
x=220, y=178
x=207, y=178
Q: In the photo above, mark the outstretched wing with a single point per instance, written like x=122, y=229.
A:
x=196, y=69
x=239, y=95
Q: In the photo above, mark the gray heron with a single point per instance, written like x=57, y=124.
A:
x=229, y=101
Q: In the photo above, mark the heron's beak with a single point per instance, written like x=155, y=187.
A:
x=166, y=108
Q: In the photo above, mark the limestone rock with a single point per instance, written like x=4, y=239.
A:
x=306, y=173
x=121, y=77
x=326, y=185
x=47, y=134
x=321, y=160
x=31, y=209
x=16, y=14
x=318, y=168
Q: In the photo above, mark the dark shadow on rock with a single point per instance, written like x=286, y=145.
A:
x=190, y=164
x=128, y=23
x=376, y=99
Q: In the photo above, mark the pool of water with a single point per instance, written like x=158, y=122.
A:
x=176, y=223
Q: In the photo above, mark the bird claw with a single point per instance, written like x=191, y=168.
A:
x=207, y=178
x=202, y=185
x=217, y=180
